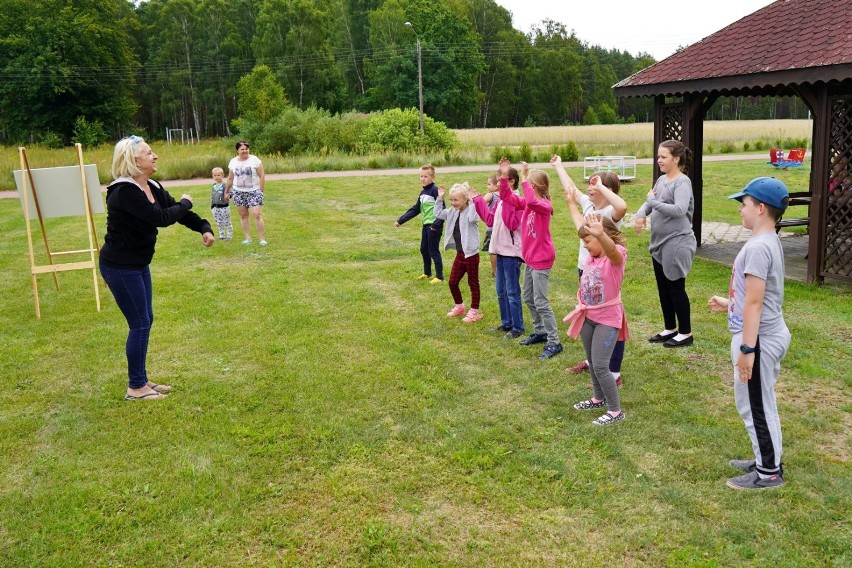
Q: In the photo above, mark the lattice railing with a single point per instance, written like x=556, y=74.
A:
x=837, y=261
x=673, y=122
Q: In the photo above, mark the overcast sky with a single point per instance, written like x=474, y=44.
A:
x=658, y=28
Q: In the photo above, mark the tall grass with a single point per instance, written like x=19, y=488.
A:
x=639, y=134
x=188, y=161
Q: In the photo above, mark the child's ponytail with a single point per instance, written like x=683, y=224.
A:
x=681, y=152
x=540, y=182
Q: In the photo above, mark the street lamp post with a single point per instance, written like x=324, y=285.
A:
x=419, y=74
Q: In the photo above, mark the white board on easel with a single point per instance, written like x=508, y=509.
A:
x=60, y=192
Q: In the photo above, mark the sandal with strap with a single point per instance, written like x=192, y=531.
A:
x=608, y=419
x=589, y=404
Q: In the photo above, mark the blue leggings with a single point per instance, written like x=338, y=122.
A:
x=132, y=291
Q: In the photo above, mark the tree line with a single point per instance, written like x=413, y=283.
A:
x=103, y=68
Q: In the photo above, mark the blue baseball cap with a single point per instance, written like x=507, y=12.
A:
x=766, y=190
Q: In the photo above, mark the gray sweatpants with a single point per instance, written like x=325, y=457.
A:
x=535, y=297
x=599, y=341
x=756, y=399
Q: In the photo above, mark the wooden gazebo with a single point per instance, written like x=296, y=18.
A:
x=797, y=48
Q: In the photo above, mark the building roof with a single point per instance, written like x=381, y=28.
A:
x=787, y=42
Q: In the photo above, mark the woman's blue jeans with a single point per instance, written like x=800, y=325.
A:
x=132, y=291
x=508, y=284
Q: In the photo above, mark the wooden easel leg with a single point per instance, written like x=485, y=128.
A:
x=35, y=297
x=90, y=224
x=97, y=290
x=25, y=160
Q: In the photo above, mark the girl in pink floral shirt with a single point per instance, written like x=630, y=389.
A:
x=599, y=315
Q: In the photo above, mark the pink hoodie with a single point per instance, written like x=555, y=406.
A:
x=536, y=243
x=505, y=220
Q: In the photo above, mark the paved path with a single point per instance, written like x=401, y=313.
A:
x=408, y=171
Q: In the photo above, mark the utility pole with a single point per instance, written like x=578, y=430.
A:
x=419, y=74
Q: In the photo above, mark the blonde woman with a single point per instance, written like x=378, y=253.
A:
x=136, y=207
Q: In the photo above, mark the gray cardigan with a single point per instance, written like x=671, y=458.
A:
x=469, y=228
x=672, y=240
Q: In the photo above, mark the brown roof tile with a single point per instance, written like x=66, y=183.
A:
x=787, y=34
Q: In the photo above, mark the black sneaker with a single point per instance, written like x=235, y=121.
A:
x=551, y=350
x=512, y=334
x=533, y=339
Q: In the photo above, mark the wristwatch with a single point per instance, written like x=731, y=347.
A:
x=745, y=349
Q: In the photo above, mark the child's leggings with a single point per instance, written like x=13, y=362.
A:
x=673, y=300
x=430, y=250
x=599, y=341
x=617, y=354
x=462, y=265
x=222, y=215
x=535, y=297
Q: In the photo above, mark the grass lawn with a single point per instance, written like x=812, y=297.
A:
x=326, y=412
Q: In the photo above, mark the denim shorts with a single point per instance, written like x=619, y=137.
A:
x=252, y=198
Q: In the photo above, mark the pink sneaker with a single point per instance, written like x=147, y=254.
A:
x=472, y=316
x=456, y=311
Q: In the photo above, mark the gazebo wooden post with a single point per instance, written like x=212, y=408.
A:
x=693, y=137
x=659, y=120
x=818, y=184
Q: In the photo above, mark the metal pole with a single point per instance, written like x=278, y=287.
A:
x=419, y=74
x=420, y=83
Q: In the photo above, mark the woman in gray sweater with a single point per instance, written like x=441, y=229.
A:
x=672, y=240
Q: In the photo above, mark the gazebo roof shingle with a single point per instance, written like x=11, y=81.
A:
x=789, y=41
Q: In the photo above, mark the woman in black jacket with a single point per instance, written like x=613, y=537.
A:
x=136, y=207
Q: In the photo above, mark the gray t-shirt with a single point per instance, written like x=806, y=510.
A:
x=763, y=257
x=672, y=240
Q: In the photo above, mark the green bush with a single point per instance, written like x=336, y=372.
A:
x=525, y=152
x=760, y=145
x=728, y=148
x=569, y=152
x=746, y=147
x=398, y=129
x=313, y=130
x=317, y=131
x=52, y=140
x=503, y=152
x=542, y=155
x=590, y=117
x=89, y=134
x=606, y=115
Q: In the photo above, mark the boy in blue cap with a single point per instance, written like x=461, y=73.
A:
x=760, y=336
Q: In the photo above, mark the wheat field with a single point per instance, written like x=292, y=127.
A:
x=718, y=132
